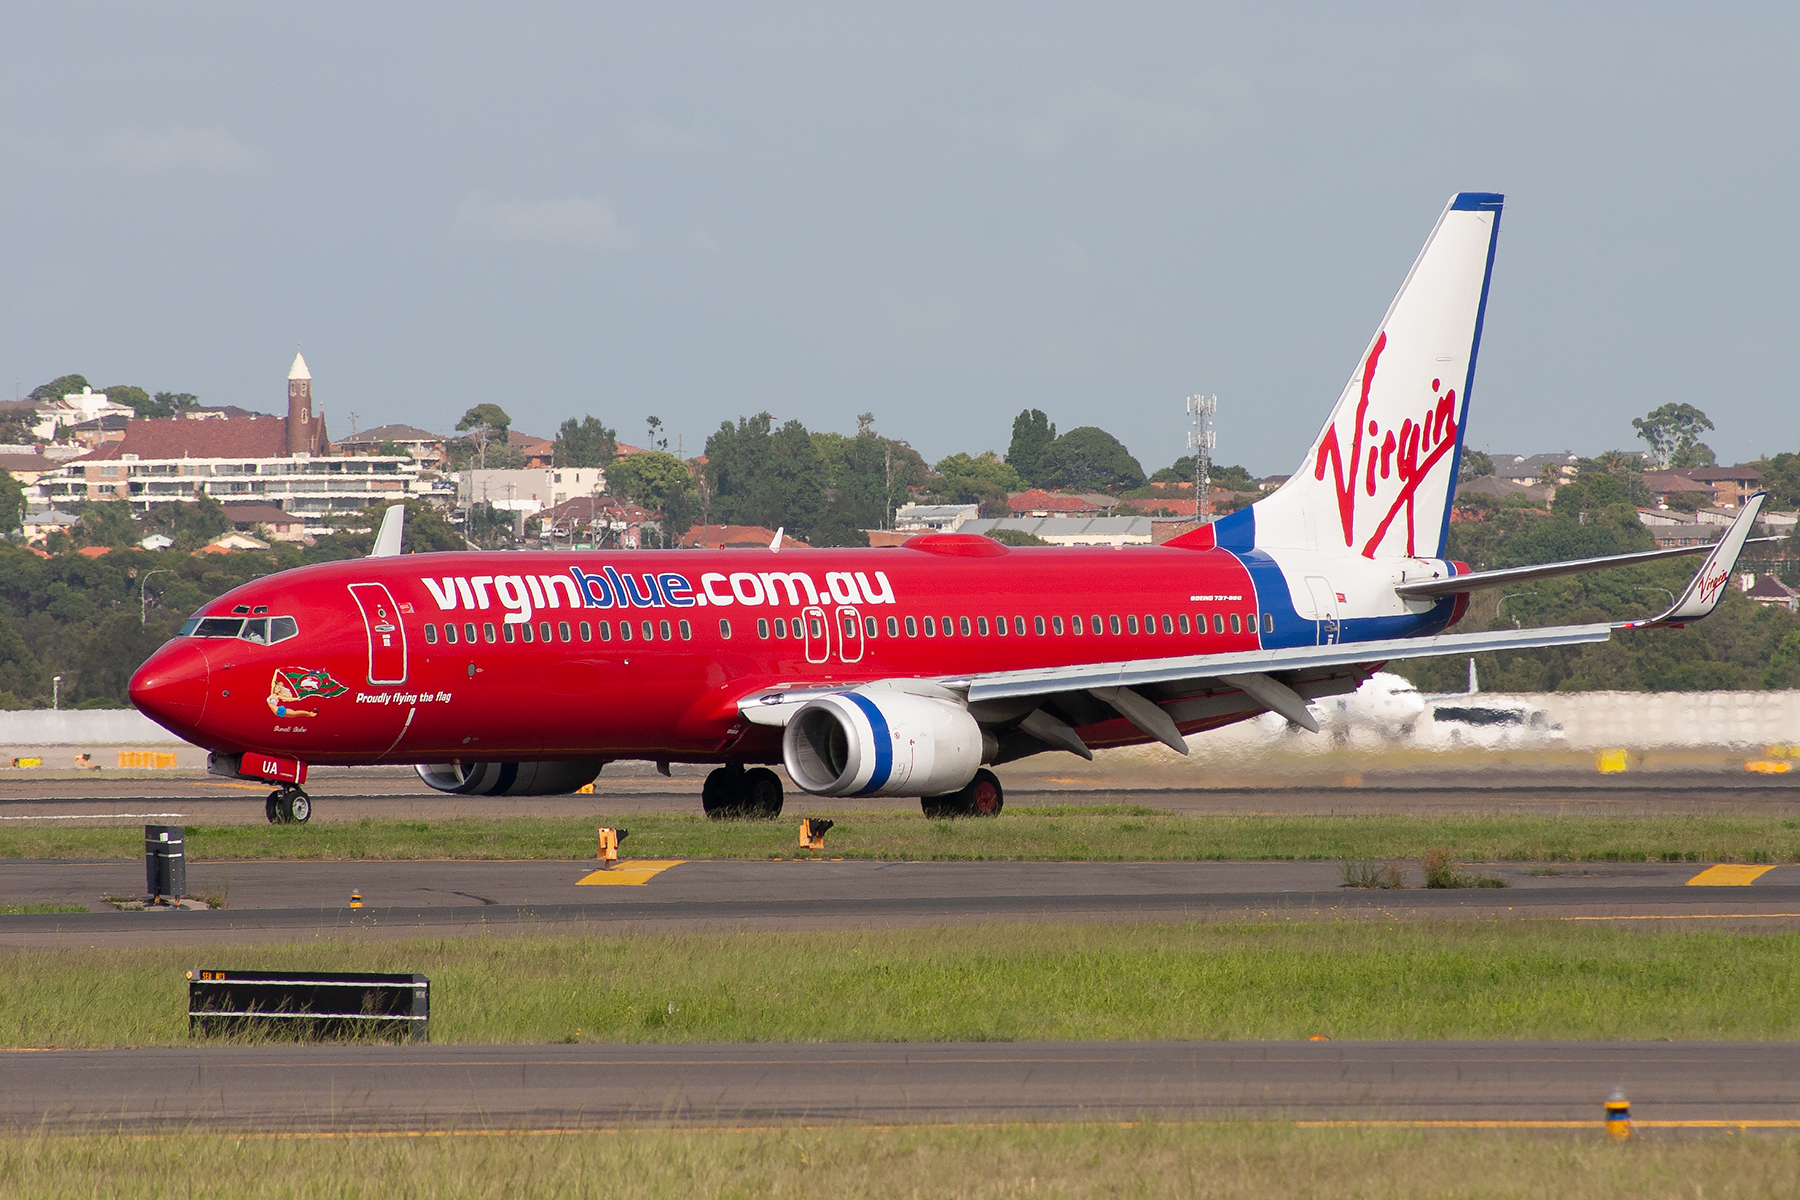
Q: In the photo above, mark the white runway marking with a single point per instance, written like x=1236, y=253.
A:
x=93, y=816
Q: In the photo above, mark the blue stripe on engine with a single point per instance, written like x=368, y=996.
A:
x=884, y=742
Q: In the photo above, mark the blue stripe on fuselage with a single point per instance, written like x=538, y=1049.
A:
x=884, y=742
x=1274, y=595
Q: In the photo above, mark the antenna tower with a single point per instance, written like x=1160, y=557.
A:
x=1202, y=441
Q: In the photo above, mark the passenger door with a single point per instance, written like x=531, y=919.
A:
x=1325, y=609
x=818, y=635
x=387, y=636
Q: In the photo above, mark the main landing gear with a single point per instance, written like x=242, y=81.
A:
x=982, y=798
x=732, y=791
x=288, y=806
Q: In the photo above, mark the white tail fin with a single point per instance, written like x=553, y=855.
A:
x=1380, y=477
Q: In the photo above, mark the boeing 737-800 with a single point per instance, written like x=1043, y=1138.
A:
x=891, y=672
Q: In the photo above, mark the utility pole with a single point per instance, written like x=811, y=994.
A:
x=1202, y=441
x=144, y=596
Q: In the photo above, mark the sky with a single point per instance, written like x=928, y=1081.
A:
x=937, y=213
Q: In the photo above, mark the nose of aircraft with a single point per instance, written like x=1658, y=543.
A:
x=170, y=688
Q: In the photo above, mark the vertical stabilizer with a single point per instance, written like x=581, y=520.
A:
x=1379, y=478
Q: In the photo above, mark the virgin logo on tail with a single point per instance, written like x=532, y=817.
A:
x=1710, y=585
x=1396, y=455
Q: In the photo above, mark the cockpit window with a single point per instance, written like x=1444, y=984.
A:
x=262, y=631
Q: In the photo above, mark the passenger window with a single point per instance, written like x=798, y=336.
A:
x=725, y=629
x=762, y=627
x=814, y=626
x=849, y=627
x=780, y=627
x=1268, y=622
x=1130, y=622
x=980, y=625
x=1250, y=622
x=1218, y=623
x=470, y=636
x=893, y=627
x=1019, y=625
x=1094, y=624
x=912, y=627
x=1169, y=623
x=1037, y=626
x=1184, y=623
x=525, y=632
x=487, y=633
x=450, y=633
x=869, y=626
x=930, y=626
x=543, y=631
x=687, y=631
x=1236, y=625
x=430, y=634
x=1056, y=626
x=562, y=631
x=624, y=631
x=606, y=631
x=506, y=631
x=587, y=632
x=1113, y=623
x=962, y=623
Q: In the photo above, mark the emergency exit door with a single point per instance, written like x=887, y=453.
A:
x=387, y=637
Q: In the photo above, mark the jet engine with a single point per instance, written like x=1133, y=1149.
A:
x=870, y=742
x=509, y=778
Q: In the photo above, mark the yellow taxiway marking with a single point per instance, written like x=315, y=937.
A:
x=632, y=871
x=1728, y=875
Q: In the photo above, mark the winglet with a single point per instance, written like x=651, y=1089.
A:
x=1703, y=591
x=387, y=541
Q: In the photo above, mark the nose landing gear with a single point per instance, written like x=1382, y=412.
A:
x=288, y=806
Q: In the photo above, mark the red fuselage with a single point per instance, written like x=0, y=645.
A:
x=644, y=654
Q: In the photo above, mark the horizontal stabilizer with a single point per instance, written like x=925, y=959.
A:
x=1477, y=580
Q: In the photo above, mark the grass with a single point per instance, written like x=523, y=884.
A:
x=1121, y=833
x=1429, y=979
x=49, y=906
x=1207, y=1162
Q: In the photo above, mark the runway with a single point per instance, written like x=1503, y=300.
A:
x=293, y=1088
x=283, y=901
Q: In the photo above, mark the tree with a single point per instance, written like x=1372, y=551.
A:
x=658, y=441
x=56, y=389
x=191, y=524
x=1781, y=476
x=12, y=502
x=1017, y=537
x=866, y=476
x=1088, y=458
x=1673, y=432
x=585, y=444
x=1475, y=464
x=168, y=404
x=981, y=479
x=659, y=481
x=125, y=393
x=484, y=423
x=757, y=476
x=1032, y=435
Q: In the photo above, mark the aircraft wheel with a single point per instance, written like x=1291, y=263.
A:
x=984, y=796
x=722, y=795
x=762, y=793
x=272, y=808
x=296, y=807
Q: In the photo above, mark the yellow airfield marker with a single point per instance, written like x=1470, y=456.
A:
x=1729, y=875
x=638, y=871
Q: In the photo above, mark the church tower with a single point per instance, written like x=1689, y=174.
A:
x=300, y=410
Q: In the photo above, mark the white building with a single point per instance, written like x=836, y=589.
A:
x=76, y=408
x=528, y=491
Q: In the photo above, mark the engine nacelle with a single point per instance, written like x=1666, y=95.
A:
x=881, y=743
x=509, y=778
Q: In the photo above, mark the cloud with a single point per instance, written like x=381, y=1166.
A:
x=177, y=149
x=589, y=224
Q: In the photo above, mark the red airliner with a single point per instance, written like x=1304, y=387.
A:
x=898, y=672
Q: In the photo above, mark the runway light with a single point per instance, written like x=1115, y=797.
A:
x=355, y=899
x=609, y=844
x=812, y=833
x=1618, y=1115
x=1318, y=1037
